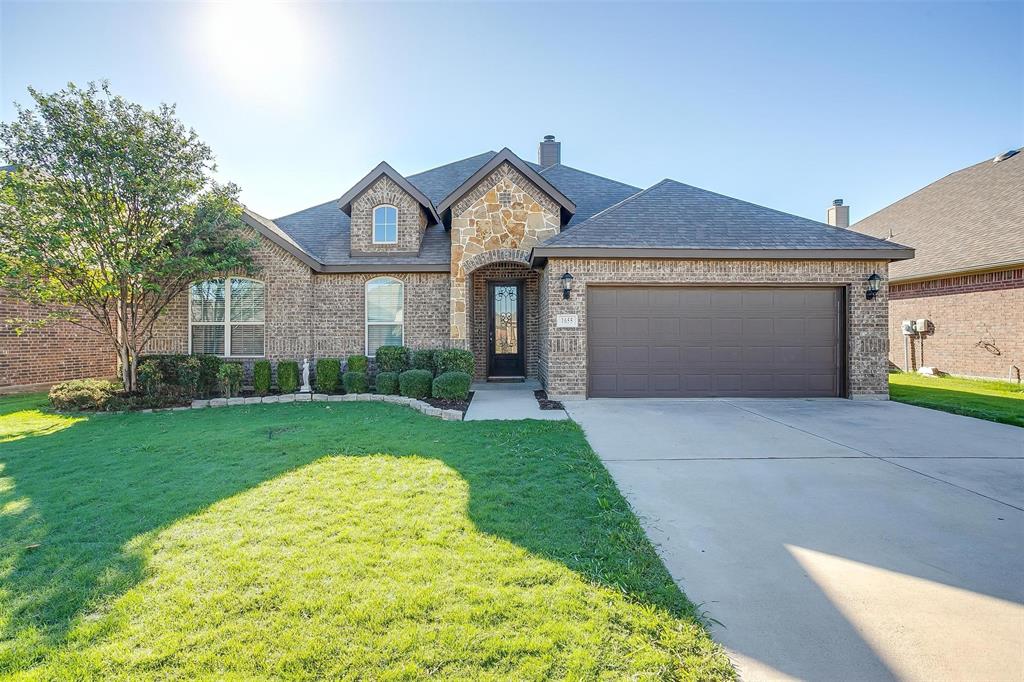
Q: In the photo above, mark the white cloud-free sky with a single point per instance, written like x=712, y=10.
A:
x=785, y=104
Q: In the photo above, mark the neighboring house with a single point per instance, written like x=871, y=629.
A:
x=40, y=356
x=967, y=278
x=675, y=291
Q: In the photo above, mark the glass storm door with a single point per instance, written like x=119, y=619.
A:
x=505, y=330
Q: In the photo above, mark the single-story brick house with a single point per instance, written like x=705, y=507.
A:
x=967, y=278
x=593, y=286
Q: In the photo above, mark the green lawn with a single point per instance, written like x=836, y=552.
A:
x=998, y=401
x=340, y=540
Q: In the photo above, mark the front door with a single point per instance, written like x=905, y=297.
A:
x=505, y=357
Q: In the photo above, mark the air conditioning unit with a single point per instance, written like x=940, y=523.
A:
x=921, y=326
x=907, y=327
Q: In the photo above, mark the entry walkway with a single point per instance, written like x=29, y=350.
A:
x=508, y=401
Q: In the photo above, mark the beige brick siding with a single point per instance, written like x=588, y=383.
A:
x=57, y=351
x=563, y=352
x=478, y=312
x=412, y=220
x=322, y=315
x=977, y=324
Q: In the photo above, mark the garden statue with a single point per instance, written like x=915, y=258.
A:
x=306, y=388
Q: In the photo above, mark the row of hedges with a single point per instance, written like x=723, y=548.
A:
x=175, y=379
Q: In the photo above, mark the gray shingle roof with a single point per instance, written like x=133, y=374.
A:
x=969, y=220
x=590, y=192
x=323, y=231
x=671, y=215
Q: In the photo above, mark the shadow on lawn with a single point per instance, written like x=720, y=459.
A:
x=996, y=408
x=73, y=500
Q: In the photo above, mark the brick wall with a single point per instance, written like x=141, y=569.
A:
x=411, y=219
x=977, y=323
x=479, y=333
x=321, y=315
x=55, y=352
x=563, y=352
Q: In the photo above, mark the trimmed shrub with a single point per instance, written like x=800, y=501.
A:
x=387, y=383
x=261, y=377
x=230, y=377
x=209, y=365
x=189, y=374
x=424, y=359
x=454, y=360
x=192, y=375
x=392, y=359
x=357, y=363
x=288, y=376
x=328, y=371
x=452, y=386
x=415, y=383
x=83, y=394
x=355, y=382
x=151, y=379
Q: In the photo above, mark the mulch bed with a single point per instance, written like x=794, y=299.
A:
x=545, y=404
x=445, y=404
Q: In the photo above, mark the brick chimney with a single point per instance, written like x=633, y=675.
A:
x=838, y=215
x=549, y=152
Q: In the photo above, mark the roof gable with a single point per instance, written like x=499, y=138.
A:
x=972, y=219
x=383, y=168
x=507, y=156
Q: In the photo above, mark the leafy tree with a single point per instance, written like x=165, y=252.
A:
x=110, y=213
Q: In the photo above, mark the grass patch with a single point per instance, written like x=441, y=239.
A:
x=997, y=401
x=316, y=540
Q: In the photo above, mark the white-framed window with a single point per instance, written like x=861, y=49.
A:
x=227, y=316
x=385, y=313
x=385, y=224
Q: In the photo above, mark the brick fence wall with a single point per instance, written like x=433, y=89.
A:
x=55, y=352
x=977, y=324
x=564, y=351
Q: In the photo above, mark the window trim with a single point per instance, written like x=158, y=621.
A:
x=226, y=324
x=366, y=312
x=374, y=221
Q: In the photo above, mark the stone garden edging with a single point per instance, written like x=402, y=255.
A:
x=418, y=405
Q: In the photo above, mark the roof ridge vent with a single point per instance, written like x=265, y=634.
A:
x=1005, y=155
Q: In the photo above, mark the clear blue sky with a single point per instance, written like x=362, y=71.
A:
x=784, y=104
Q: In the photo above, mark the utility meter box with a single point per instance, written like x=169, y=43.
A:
x=907, y=327
x=921, y=326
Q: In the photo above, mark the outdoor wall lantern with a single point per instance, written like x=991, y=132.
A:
x=566, y=285
x=873, y=281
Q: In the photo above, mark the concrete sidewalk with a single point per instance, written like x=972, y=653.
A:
x=508, y=401
x=832, y=539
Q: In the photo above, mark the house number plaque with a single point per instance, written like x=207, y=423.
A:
x=567, y=321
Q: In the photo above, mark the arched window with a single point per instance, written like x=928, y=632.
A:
x=385, y=313
x=227, y=317
x=385, y=225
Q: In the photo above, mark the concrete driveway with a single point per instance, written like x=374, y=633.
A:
x=833, y=540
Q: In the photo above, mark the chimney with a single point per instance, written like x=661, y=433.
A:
x=838, y=215
x=549, y=152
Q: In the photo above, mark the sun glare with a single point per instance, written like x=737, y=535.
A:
x=256, y=47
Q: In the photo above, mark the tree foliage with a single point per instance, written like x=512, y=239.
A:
x=110, y=213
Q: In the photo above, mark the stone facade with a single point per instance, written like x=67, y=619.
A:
x=505, y=212
x=563, y=351
x=977, y=324
x=478, y=319
x=412, y=220
x=321, y=315
x=45, y=355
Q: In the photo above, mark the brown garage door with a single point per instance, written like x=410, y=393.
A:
x=692, y=342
